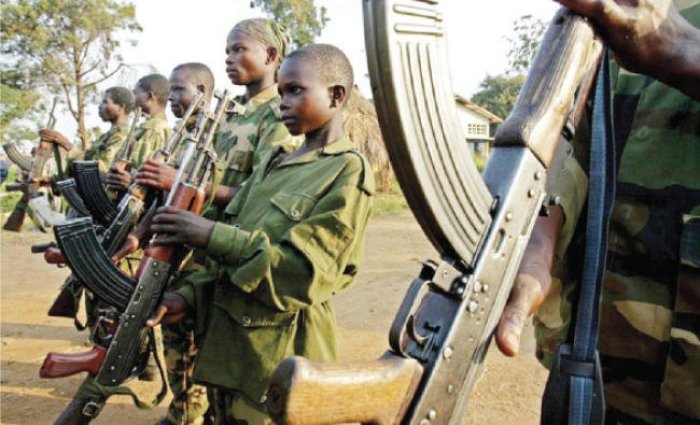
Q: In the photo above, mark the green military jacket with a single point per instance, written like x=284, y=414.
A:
x=105, y=148
x=150, y=136
x=292, y=237
x=250, y=132
x=650, y=313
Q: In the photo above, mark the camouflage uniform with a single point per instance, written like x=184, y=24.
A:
x=150, y=136
x=105, y=148
x=249, y=133
x=650, y=313
x=291, y=238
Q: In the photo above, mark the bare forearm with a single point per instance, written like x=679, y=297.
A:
x=683, y=73
x=223, y=194
x=539, y=255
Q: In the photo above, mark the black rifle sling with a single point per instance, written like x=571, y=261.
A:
x=574, y=391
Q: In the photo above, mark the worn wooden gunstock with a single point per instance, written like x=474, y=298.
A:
x=58, y=365
x=368, y=392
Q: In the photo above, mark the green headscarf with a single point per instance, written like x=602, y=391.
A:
x=267, y=32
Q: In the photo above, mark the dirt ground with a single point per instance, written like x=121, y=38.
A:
x=508, y=393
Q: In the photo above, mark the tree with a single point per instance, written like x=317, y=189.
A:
x=524, y=43
x=65, y=46
x=498, y=93
x=300, y=17
x=15, y=105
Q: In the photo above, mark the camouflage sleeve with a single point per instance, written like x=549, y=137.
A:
x=105, y=156
x=150, y=140
x=305, y=266
x=572, y=189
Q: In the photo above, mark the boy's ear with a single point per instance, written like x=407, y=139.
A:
x=272, y=55
x=201, y=88
x=338, y=95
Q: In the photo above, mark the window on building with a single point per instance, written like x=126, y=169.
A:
x=477, y=130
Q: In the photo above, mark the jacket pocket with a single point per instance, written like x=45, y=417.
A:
x=681, y=384
x=295, y=206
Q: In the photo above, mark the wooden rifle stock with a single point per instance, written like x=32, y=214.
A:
x=368, y=392
x=58, y=365
x=188, y=198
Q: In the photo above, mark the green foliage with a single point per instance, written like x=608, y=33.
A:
x=15, y=105
x=389, y=205
x=524, y=43
x=498, y=93
x=69, y=46
x=480, y=162
x=300, y=17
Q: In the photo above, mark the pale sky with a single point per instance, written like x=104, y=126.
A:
x=177, y=31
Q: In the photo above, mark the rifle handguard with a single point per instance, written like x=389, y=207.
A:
x=369, y=392
x=58, y=365
x=42, y=247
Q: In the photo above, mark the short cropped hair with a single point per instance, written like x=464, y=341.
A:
x=122, y=97
x=156, y=84
x=334, y=66
x=201, y=74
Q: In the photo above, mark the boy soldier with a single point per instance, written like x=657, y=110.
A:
x=115, y=107
x=151, y=95
x=291, y=237
x=254, y=50
x=189, y=401
x=650, y=308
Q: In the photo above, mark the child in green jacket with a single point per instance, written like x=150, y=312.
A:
x=291, y=237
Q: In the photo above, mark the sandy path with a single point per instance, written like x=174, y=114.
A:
x=509, y=391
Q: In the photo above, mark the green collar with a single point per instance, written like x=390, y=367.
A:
x=336, y=148
x=247, y=108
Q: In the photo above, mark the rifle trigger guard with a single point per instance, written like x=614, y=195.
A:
x=404, y=320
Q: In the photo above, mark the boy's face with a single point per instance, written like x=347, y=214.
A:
x=182, y=91
x=246, y=59
x=108, y=110
x=141, y=98
x=306, y=99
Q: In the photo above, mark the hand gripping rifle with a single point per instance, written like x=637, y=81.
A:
x=35, y=176
x=113, y=364
x=481, y=228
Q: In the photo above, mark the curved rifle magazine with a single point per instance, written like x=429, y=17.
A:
x=24, y=162
x=87, y=177
x=418, y=117
x=69, y=191
x=91, y=264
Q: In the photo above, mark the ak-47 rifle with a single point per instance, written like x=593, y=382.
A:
x=88, y=249
x=123, y=158
x=115, y=362
x=481, y=228
x=35, y=178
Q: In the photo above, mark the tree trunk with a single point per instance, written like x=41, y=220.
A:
x=80, y=107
